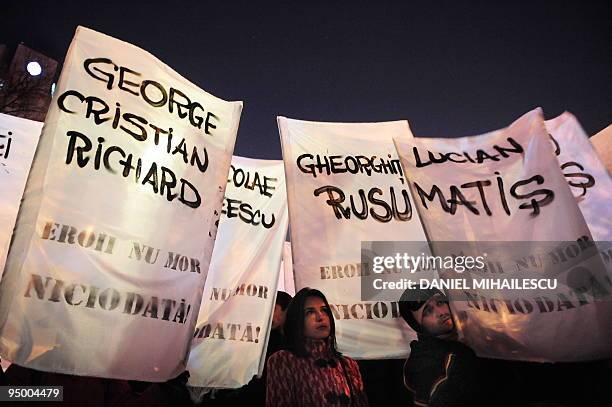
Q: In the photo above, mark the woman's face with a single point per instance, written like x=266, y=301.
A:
x=316, y=319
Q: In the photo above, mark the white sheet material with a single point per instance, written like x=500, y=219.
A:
x=507, y=186
x=362, y=168
x=117, y=226
x=18, y=140
x=229, y=345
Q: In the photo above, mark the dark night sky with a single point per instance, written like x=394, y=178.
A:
x=449, y=69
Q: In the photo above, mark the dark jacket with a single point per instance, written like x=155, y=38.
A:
x=442, y=373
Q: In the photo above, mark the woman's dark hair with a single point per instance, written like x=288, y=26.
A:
x=294, y=322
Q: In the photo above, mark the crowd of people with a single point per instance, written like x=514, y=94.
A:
x=304, y=368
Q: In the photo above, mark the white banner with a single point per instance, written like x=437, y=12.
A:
x=117, y=226
x=345, y=185
x=585, y=174
x=602, y=142
x=507, y=186
x=229, y=344
x=286, y=280
x=18, y=140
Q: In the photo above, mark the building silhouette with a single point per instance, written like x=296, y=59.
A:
x=25, y=83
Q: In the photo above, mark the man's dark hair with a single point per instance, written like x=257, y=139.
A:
x=413, y=300
x=283, y=299
x=294, y=322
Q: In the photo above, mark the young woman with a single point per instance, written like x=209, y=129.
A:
x=311, y=372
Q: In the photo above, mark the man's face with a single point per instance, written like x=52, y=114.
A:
x=435, y=316
x=278, y=317
x=316, y=319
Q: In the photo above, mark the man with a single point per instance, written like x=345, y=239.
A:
x=441, y=371
x=276, y=341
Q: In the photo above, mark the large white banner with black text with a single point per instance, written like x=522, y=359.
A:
x=345, y=185
x=585, y=173
x=229, y=344
x=117, y=226
x=507, y=186
x=18, y=140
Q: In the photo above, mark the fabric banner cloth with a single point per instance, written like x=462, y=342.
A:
x=602, y=142
x=507, y=186
x=18, y=140
x=118, y=222
x=585, y=173
x=345, y=185
x=286, y=281
x=229, y=344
